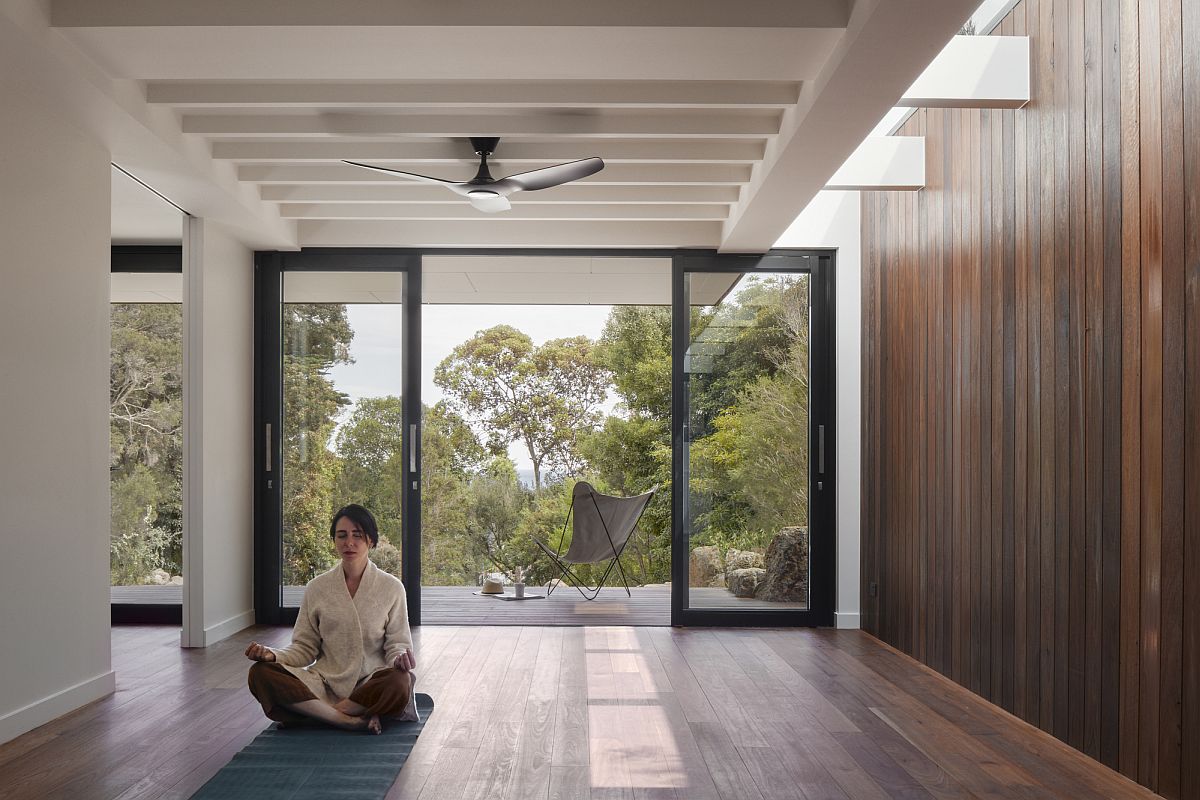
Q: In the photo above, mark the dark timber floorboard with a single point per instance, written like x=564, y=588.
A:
x=585, y=712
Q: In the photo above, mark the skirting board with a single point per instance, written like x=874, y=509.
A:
x=227, y=628
x=25, y=719
x=846, y=620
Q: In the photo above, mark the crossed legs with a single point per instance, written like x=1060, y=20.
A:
x=285, y=699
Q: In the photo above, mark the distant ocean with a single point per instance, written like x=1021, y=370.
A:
x=525, y=476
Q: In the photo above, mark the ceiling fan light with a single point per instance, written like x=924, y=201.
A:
x=483, y=194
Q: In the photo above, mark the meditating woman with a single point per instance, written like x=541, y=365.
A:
x=350, y=661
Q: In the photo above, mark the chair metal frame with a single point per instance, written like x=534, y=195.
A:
x=564, y=566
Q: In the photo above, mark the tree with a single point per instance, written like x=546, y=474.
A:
x=544, y=397
x=146, y=440
x=372, y=468
x=373, y=473
x=316, y=336
x=749, y=455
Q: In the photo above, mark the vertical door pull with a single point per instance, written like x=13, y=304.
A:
x=267, y=461
x=412, y=448
x=821, y=449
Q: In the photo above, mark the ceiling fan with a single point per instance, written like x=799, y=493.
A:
x=489, y=194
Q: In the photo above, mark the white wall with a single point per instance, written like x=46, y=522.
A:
x=54, y=355
x=832, y=219
x=219, y=409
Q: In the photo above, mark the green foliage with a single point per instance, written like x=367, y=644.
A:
x=544, y=397
x=636, y=348
x=146, y=441
x=749, y=416
x=451, y=549
x=749, y=454
x=315, y=338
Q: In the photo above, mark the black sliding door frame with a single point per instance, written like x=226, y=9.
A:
x=819, y=265
x=269, y=270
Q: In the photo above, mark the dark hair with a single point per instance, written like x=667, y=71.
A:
x=360, y=517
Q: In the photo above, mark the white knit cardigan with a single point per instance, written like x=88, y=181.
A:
x=340, y=640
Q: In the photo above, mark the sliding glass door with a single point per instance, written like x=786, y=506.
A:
x=750, y=526
x=341, y=427
x=753, y=429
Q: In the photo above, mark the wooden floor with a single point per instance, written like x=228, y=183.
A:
x=573, y=712
x=461, y=605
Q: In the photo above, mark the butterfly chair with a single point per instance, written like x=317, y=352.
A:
x=603, y=525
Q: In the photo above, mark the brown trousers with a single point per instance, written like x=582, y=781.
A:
x=384, y=693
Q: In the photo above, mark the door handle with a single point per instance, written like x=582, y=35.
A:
x=412, y=448
x=821, y=449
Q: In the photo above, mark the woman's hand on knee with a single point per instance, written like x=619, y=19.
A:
x=258, y=652
x=405, y=662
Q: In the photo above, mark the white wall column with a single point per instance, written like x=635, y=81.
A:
x=833, y=219
x=218, y=530
x=54, y=392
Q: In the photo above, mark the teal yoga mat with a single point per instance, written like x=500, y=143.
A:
x=318, y=763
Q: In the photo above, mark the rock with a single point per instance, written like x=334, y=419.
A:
x=787, y=567
x=159, y=577
x=176, y=580
x=742, y=559
x=744, y=582
x=705, y=568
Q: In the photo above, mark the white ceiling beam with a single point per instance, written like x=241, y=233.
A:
x=416, y=53
x=571, y=193
x=502, y=233
x=974, y=72
x=610, y=124
x=543, y=211
x=613, y=151
x=883, y=163
x=618, y=174
x=480, y=94
x=886, y=46
x=611, y=13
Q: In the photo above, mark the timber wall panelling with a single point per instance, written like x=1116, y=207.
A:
x=1031, y=382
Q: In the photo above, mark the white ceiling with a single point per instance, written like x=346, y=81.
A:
x=718, y=121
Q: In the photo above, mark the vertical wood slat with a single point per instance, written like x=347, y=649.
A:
x=1131, y=381
x=1093, y=358
x=1190, y=690
x=1044, y=100
x=1171, y=663
x=1033, y=213
x=1152, y=430
x=1076, y=320
x=1062, y=376
x=1110, y=576
x=1021, y=389
x=1039, y=320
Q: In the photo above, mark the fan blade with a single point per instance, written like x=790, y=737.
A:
x=491, y=204
x=554, y=176
x=412, y=176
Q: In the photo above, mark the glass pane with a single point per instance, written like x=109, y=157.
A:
x=746, y=379
x=522, y=401
x=343, y=423
x=146, y=452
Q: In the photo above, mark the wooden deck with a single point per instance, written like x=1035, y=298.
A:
x=459, y=605
x=584, y=714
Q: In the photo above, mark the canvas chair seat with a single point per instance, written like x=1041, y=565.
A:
x=601, y=527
